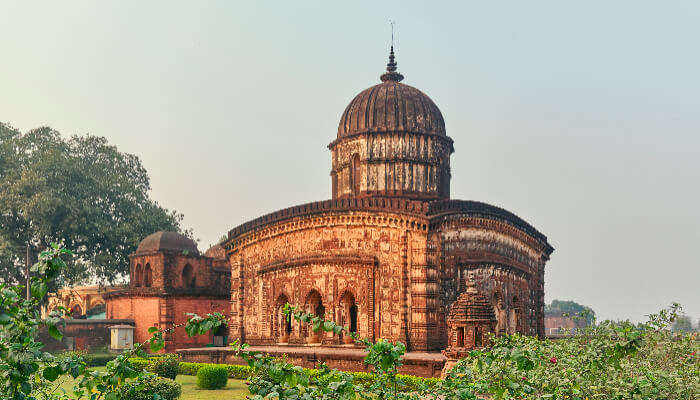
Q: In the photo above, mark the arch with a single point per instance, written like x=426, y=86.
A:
x=147, y=276
x=96, y=309
x=281, y=324
x=355, y=174
x=188, y=277
x=76, y=311
x=138, y=275
x=348, y=311
x=314, y=305
x=500, y=312
x=513, y=316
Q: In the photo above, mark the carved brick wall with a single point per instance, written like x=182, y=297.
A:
x=366, y=254
x=402, y=263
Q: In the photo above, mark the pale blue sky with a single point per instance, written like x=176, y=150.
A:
x=581, y=117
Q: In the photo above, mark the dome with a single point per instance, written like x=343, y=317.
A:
x=167, y=241
x=391, y=106
x=216, y=251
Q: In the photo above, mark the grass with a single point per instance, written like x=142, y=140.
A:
x=234, y=390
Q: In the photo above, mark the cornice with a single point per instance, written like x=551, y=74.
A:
x=336, y=258
x=445, y=139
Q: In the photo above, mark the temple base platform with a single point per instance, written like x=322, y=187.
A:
x=344, y=358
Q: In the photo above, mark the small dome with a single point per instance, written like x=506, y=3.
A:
x=167, y=241
x=391, y=106
x=216, y=251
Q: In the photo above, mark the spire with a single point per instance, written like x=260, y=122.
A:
x=471, y=282
x=391, y=74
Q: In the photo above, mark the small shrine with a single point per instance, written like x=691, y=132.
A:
x=470, y=320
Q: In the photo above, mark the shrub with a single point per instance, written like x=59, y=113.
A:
x=212, y=377
x=167, y=365
x=146, y=387
x=139, y=363
x=91, y=359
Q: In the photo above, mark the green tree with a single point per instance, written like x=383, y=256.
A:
x=682, y=324
x=81, y=188
x=571, y=308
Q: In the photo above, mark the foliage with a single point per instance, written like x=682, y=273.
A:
x=605, y=361
x=28, y=373
x=90, y=359
x=212, y=377
x=79, y=190
x=145, y=387
x=167, y=365
x=409, y=383
x=570, y=309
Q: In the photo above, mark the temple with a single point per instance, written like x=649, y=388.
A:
x=390, y=253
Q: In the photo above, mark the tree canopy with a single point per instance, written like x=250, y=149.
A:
x=80, y=190
x=572, y=308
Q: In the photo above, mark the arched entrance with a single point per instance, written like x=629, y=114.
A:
x=282, y=323
x=513, y=316
x=76, y=311
x=348, y=315
x=187, y=276
x=138, y=275
x=147, y=276
x=314, y=305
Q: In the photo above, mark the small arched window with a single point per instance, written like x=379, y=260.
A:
x=148, y=276
x=355, y=181
x=187, y=276
x=138, y=275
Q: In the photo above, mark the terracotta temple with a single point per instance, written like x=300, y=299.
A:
x=390, y=255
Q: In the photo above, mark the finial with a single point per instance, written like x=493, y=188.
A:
x=391, y=74
x=471, y=282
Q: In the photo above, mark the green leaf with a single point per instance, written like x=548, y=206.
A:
x=55, y=333
x=51, y=373
x=157, y=345
x=152, y=329
x=25, y=387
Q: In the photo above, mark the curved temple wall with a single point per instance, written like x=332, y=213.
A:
x=401, y=269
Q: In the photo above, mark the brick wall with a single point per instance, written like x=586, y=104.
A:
x=82, y=334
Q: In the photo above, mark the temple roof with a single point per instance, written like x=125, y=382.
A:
x=216, y=251
x=471, y=305
x=167, y=241
x=391, y=106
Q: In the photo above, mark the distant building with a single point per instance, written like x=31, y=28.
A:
x=169, y=278
x=559, y=324
x=85, y=302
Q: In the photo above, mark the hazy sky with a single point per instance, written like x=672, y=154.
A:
x=581, y=117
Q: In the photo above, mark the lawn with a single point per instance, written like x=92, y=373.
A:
x=235, y=389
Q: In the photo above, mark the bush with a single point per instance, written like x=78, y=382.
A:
x=166, y=366
x=212, y=377
x=91, y=359
x=146, y=387
x=409, y=383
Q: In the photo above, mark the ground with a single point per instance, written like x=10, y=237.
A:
x=235, y=389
